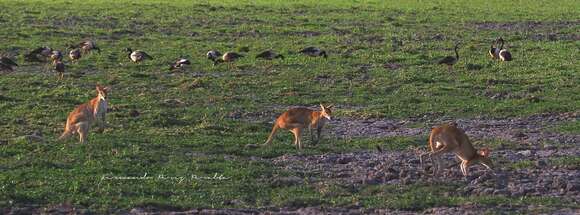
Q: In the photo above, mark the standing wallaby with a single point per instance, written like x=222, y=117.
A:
x=296, y=119
x=81, y=118
x=449, y=138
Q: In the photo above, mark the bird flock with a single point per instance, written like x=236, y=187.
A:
x=55, y=57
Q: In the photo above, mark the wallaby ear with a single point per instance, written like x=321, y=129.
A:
x=107, y=89
x=329, y=106
x=99, y=87
x=322, y=107
x=484, y=152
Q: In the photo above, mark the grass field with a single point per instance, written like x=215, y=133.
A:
x=367, y=76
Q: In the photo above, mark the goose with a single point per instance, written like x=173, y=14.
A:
x=59, y=67
x=504, y=54
x=269, y=55
x=56, y=55
x=88, y=45
x=228, y=57
x=494, y=51
x=213, y=55
x=39, y=54
x=313, y=52
x=179, y=64
x=75, y=54
x=137, y=55
x=450, y=60
x=7, y=64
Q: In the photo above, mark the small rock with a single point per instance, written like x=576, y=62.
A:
x=541, y=163
x=525, y=153
x=344, y=160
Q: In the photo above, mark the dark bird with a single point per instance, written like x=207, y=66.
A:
x=75, y=54
x=504, y=54
x=269, y=55
x=179, y=64
x=494, y=51
x=313, y=52
x=56, y=56
x=213, y=55
x=40, y=54
x=228, y=57
x=6, y=64
x=450, y=60
x=59, y=67
x=137, y=55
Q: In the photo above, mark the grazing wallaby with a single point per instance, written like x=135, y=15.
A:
x=450, y=138
x=80, y=119
x=296, y=119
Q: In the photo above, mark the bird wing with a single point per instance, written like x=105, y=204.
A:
x=236, y=55
x=264, y=54
x=8, y=61
x=308, y=49
x=37, y=51
x=145, y=55
x=447, y=59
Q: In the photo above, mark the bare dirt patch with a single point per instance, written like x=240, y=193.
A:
x=530, y=129
x=357, y=169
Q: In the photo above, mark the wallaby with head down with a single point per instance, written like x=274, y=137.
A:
x=449, y=138
x=296, y=119
x=81, y=118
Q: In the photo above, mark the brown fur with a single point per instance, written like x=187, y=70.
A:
x=80, y=119
x=450, y=138
x=296, y=119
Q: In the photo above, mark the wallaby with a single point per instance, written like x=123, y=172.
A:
x=296, y=119
x=81, y=118
x=449, y=138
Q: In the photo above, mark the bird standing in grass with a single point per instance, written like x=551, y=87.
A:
x=137, y=55
x=74, y=54
x=504, y=54
x=59, y=67
x=313, y=52
x=179, y=64
x=39, y=54
x=88, y=46
x=6, y=64
x=56, y=56
x=269, y=55
x=213, y=55
x=494, y=51
x=450, y=60
x=228, y=57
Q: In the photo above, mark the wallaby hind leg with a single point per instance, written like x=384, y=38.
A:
x=83, y=130
x=318, y=132
x=296, y=132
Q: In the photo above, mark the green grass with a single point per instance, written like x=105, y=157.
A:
x=202, y=138
x=572, y=127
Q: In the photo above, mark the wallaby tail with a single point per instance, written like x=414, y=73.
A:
x=271, y=137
